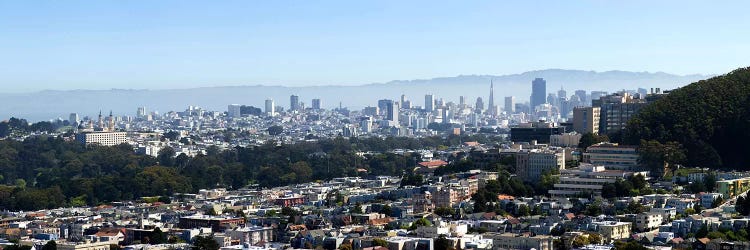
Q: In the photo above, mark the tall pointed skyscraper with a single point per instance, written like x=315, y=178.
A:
x=491, y=103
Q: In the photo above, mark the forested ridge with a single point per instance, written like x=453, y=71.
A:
x=48, y=172
x=710, y=119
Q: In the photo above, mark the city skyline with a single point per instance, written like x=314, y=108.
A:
x=142, y=45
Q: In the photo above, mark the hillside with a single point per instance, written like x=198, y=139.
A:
x=710, y=118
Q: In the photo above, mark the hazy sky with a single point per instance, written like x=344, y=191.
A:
x=179, y=44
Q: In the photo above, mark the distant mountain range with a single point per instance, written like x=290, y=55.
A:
x=49, y=104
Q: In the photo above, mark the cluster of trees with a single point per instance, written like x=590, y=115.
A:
x=634, y=185
x=723, y=233
x=48, y=172
x=742, y=205
x=709, y=119
x=486, y=200
x=21, y=126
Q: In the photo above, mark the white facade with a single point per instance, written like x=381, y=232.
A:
x=233, y=110
x=270, y=108
x=102, y=138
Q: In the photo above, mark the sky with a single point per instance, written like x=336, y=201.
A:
x=62, y=45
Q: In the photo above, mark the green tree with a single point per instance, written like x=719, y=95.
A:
x=702, y=232
x=379, y=242
x=157, y=237
x=443, y=243
x=275, y=130
x=345, y=246
x=386, y=210
x=205, y=243
x=50, y=245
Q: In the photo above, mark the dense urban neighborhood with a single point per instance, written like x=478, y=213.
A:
x=558, y=172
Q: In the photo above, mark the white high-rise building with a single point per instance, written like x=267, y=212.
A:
x=510, y=104
x=429, y=103
x=270, y=108
x=141, y=112
x=73, y=119
x=233, y=110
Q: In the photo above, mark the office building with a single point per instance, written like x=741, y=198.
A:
x=534, y=131
x=616, y=110
x=612, y=156
x=74, y=120
x=141, y=113
x=102, y=138
x=518, y=241
x=571, y=139
x=532, y=164
x=538, y=92
x=479, y=106
x=294, y=104
x=270, y=108
x=596, y=95
x=391, y=112
x=404, y=101
x=429, y=103
x=234, y=110
x=510, y=104
x=491, y=101
x=586, y=119
x=316, y=104
x=587, y=180
x=383, y=106
x=562, y=94
x=582, y=96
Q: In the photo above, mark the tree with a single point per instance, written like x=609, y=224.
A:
x=443, y=243
x=205, y=243
x=589, y=139
x=157, y=237
x=345, y=246
x=379, y=242
x=702, y=232
x=386, y=210
x=275, y=130
x=166, y=156
x=357, y=209
x=421, y=222
x=445, y=211
x=580, y=241
x=51, y=245
x=595, y=238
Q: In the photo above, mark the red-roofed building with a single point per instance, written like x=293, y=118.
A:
x=433, y=164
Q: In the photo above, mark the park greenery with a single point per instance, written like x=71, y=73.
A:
x=705, y=123
x=48, y=172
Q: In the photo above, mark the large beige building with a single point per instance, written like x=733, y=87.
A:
x=613, y=230
x=102, y=138
x=648, y=221
x=515, y=241
x=586, y=119
x=612, y=156
x=531, y=164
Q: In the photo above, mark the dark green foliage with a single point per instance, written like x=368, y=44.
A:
x=630, y=245
x=21, y=126
x=204, y=243
x=709, y=118
x=275, y=130
x=742, y=205
x=157, y=237
x=50, y=245
x=57, y=173
x=443, y=243
x=589, y=139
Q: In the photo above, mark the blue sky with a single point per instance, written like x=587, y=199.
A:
x=182, y=44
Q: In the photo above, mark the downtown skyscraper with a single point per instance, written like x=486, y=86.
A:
x=538, y=92
x=491, y=103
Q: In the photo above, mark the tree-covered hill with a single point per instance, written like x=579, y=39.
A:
x=710, y=118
